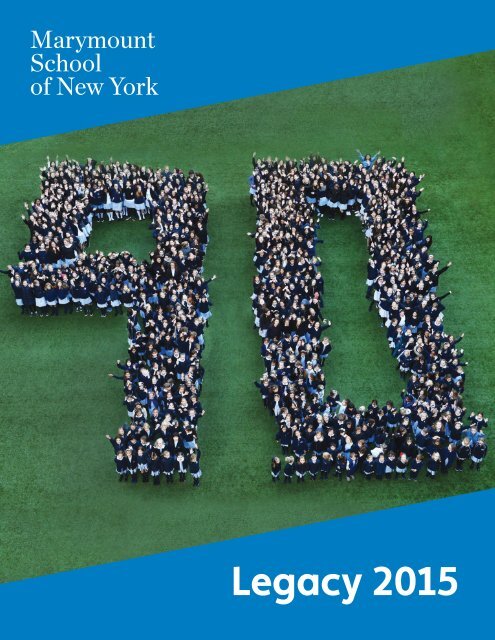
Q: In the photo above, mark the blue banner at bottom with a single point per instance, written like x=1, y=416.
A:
x=412, y=572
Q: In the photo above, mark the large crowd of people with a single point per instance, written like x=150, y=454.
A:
x=322, y=435
x=166, y=297
x=167, y=302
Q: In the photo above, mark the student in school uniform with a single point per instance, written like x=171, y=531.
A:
x=119, y=442
x=299, y=444
x=288, y=469
x=28, y=298
x=314, y=466
x=117, y=200
x=447, y=457
x=131, y=464
x=463, y=453
x=39, y=299
x=368, y=467
x=478, y=454
x=380, y=466
x=276, y=467
x=340, y=466
x=64, y=297
x=127, y=297
x=390, y=465
x=284, y=437
x=101, y=299
x=325, y=465
x=401, y=466
x=301, y=468
x=114, y=299
x=142, y=463
x=433, y=465
x=168, y=466
x=181, y=466
x=128, y=200
x=415, y=467
x=140, y=203
x=155, y=467
x=409, y=448
x=478, y=420
x=351, y=466
x=120, y=464
x=194, y=469
x=85, y=300
x=51, y=297
x=68, y=251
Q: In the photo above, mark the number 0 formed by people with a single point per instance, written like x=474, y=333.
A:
x=166, y=297
x=329, y=433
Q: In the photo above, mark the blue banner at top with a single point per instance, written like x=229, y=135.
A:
x=77, y=66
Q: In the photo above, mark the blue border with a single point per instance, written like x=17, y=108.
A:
x=188, y=593
x=218, y=51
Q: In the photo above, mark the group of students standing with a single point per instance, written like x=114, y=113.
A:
x=166, y=296
x=343, y=453
x=319, y=433
x=146, y=452
x=60, y=221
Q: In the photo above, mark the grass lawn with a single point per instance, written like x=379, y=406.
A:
x=61, y=504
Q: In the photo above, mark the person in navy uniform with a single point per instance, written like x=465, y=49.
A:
x=181, y=466
x=284, y=437
x=168, y=466
x=276, y=467
x=368, y=467
x=117, y=443
x=390, y=465
x=447, y=457
x=478, y=454
x=288, y=469
x=101, y=299
x=478, y=420
x=51, y=297
x=314, y=467
x=433, y=465
x=142, y=463
x=415, y=467
x=299, y=444
x=325, y=465
x=351, y=466
x=140, y=203
x=131, y=464
x=116, y=199
x=340, y=466
x=401, y=466
x=114, y=299
x=301, y=468
x=120, y=464
x=380, y=466
x=463, y=453
x=194, y=469
x=155, y=467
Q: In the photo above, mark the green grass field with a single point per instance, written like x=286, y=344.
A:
x=61, y=504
